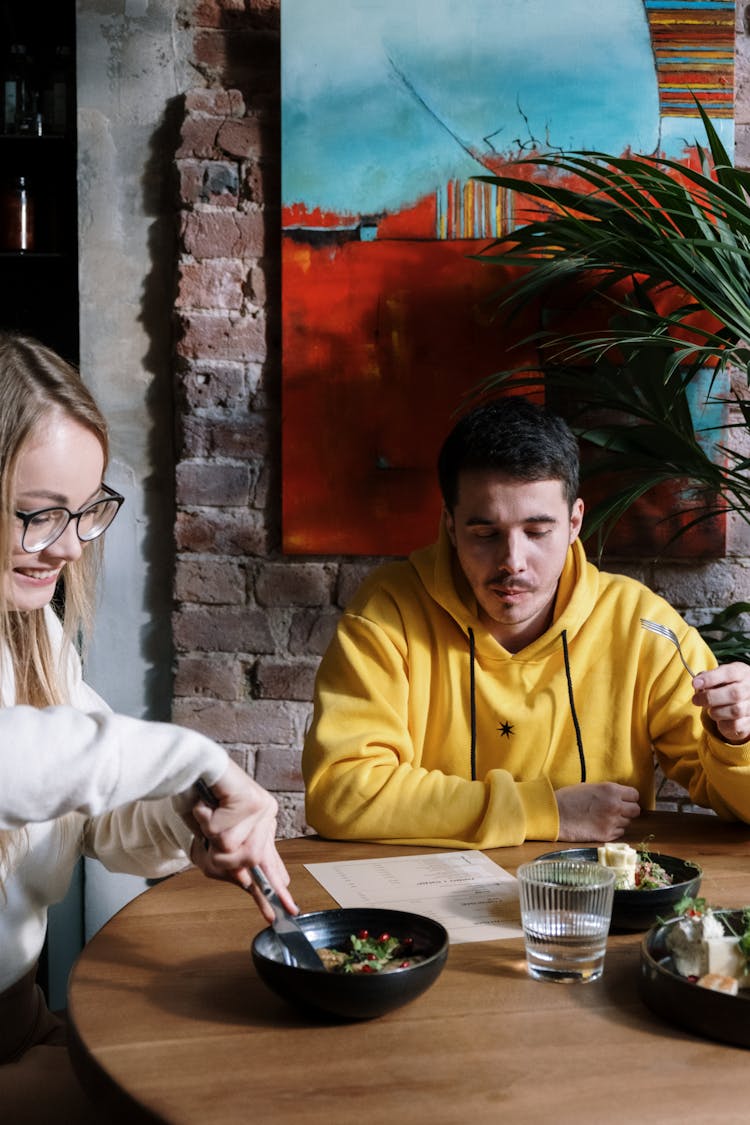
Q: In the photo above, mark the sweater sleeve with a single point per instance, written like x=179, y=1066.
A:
x=58, y=760
x=363, y=771
x=716, y=774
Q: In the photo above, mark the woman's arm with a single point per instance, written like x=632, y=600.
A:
x=56, y=760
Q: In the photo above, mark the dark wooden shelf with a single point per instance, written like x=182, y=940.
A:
x=40, y=286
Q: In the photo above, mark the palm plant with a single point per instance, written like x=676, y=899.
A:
x=664, y=249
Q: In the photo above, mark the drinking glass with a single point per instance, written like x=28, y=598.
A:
x=566, y=908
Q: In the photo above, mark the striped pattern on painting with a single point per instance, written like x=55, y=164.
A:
x=693, y=43
x=469, y=209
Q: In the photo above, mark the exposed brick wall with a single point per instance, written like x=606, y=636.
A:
x=250, y=626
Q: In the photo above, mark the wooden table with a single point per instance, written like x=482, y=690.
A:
x=171, y=1024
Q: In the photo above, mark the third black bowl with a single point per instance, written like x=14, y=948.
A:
x=681, y=1001
x=635, y=909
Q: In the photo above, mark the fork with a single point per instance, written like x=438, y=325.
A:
x=663, y=631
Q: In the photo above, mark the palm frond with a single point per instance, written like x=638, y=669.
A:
x=661, y=251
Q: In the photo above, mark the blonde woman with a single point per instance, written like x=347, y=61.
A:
x=76, y=779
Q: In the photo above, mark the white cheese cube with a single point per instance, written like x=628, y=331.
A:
x=723, y=956
x=623, y=859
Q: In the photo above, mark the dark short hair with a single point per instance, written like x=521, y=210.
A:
x=514, y=436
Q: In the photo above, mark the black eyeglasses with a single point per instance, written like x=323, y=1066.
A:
x=43, y=527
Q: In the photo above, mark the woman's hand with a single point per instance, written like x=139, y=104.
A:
x=240, y=832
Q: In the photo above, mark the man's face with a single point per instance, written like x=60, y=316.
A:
x=511, y=538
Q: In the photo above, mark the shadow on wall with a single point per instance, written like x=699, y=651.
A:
x=159, y=195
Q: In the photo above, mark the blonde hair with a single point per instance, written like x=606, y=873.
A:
x=34, y=382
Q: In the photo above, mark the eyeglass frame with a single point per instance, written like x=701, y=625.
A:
x=26, y=518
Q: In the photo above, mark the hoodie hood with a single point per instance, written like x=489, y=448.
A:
x=443, y=579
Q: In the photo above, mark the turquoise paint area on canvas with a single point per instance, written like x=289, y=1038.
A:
x=384, y=100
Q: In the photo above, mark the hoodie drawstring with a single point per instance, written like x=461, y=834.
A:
x=473, y=704
x=579, y=743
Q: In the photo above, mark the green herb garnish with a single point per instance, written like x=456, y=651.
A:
x=372, y=954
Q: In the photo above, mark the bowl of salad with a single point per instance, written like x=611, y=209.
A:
x=374, y=960
x=657, y=883
x=695, y=971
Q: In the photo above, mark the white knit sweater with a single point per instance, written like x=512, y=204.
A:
x=84, y=781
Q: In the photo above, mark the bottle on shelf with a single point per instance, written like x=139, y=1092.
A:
x=17, y=216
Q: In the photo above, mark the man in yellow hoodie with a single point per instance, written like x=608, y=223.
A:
x=497, y=687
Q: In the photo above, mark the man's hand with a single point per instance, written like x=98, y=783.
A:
x=597, y=811
x=725, y=694
x=238, y=834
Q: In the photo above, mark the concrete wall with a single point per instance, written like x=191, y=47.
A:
x=131, y=65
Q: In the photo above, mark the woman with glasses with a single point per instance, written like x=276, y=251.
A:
x=76, y=779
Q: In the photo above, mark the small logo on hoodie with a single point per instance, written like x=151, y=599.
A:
x=506, y=729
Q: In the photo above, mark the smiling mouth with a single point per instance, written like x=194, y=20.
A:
x=38, y=575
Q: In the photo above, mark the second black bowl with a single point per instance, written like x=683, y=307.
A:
x=355, y=996
x=635, y=910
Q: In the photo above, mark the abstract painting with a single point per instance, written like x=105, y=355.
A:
x=389, y=108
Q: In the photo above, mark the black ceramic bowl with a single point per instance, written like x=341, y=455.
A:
x=355, y=996
x=637, y=910
x=678, y=1000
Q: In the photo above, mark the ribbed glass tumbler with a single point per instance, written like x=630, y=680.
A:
x=566, y=907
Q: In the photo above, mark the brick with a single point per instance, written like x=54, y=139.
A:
x=285, y=679
x=245, y=437
x=223, y=234
x=240, y=138
x=291, y=821
x=263, y=183
x=221, y=629
x=243, y=755
x=351, y=577
x=263, y=482
x=253, y=183
x=298, y=584
x=209, y=581
x=704, y=584
x=279, y=769
x=738, y=536
x=220, y=385
x=211, y=674
x=212, y=284
x=234, y=13
x=311, y=631
x=203, y=336
x=221, y=532
x=198, y=137
x=639, y=571
x=212, y=484
x=215, y=102
x=259, y=722
x=191, y=180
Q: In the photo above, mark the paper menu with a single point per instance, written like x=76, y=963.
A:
x=474, y=898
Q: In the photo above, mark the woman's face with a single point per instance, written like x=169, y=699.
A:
x=60, y=465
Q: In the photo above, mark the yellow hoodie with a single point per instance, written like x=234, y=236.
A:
x=411, y=671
